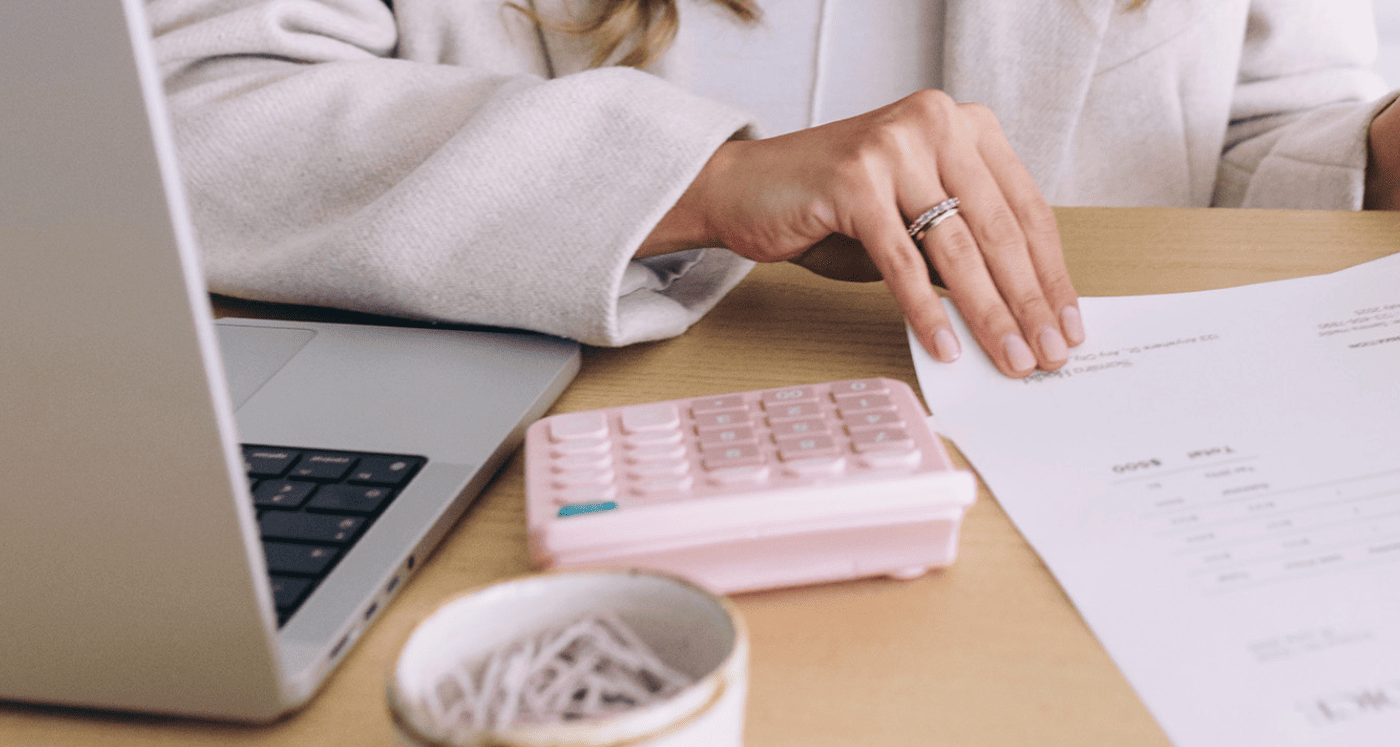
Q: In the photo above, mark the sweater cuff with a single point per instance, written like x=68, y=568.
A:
x=1317, y=163
x=661, y=297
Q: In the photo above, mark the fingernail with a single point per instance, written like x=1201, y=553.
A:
x=1018, y=354
x=946, y=345
x=1073, y=324
x=1052, y=345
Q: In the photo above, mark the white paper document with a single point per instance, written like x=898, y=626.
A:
x=1214, y=479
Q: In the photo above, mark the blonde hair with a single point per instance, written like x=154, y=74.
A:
x=650, y=26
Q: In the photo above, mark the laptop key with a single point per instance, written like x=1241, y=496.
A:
x=262, y=462
x=322, y=467
x=326, y=528
x=350, y=499
x=387, y=471
x=282, y=493
x=298, y=560
x=288, y=592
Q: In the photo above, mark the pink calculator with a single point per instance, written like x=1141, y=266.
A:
x=751, y=490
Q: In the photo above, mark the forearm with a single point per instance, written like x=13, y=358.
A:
x=1383, y=161
x=323, y=171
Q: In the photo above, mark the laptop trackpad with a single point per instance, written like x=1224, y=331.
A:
x=253, y=354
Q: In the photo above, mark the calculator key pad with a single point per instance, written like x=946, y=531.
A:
x=748, y=490
x=693, y=449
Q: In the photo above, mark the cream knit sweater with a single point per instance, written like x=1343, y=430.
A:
x=423, y=163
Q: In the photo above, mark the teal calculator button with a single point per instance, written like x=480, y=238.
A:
x=587, y=508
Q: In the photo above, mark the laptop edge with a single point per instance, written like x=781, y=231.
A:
x=126, y=592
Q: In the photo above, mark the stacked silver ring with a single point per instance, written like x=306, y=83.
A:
x=932, y=217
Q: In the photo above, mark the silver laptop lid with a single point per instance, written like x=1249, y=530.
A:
x=115, y=582
x=129, y=551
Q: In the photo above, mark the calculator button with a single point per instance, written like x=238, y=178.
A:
x=576, y=425
x=736, y=455
x=879, y=439
x=581, y=446
x=783, y=397
x=651, y=438
x=798, y=428
x=587, y=508
x=802, y=448
x=711, y=439
x=859, y=386
x=711, y=420
x=891, y=459
x=712, y=404
x=585, y=461
x=655, y=487
x=800, y=411
x=586, y=493
x=862, y=402
x=658, y=469
x=656, y=452
x=739, y=476
x=653, y=417
x=584, y=477
x=876, y=419
x=827, y=466
x=729, y=450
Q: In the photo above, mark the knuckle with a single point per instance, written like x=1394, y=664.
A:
x=993, y=320
x=1039, y=222
x=1000, y=230
x=959, y=251
x=899, y=265
x=927, y=105
x=1058, y=287
x=1026, y=304
x=904, y=264
x=979, y=115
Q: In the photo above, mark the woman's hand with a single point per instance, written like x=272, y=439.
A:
x=1383, y=166
x=837, y=199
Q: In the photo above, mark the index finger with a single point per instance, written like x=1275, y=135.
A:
x=906, y=274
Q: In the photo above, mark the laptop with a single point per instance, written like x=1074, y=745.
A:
x=199, y=518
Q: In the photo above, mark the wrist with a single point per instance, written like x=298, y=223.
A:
x=686, y=225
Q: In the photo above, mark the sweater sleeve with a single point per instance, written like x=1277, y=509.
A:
x=1303, y=105
x=324, y=167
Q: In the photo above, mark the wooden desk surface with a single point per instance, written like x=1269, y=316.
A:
x=988, y=652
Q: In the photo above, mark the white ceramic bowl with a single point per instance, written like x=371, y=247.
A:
x=690, y=629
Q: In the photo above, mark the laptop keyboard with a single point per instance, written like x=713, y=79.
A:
x=313, y=506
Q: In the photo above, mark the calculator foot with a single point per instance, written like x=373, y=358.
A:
x=906, y=574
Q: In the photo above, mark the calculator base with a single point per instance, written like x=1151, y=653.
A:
x=903, y=551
